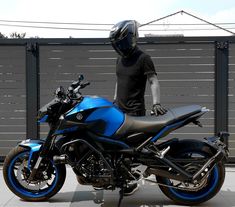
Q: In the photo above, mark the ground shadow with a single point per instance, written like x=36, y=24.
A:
x=146, y=196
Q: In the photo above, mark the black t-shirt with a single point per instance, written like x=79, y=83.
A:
x=131, y=81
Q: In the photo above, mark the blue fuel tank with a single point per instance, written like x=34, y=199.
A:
x=103, y=117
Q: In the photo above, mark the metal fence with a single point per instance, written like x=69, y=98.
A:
x=190, y=70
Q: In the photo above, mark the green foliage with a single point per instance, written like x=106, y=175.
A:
x=2, y=36
x=13, y=35
x=17, y=35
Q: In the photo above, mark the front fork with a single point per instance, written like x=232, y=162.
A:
x=45, y=148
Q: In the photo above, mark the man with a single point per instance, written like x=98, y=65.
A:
x=133, y=69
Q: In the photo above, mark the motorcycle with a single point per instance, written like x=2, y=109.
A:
x=108, y=149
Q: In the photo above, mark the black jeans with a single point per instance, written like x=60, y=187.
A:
x=137, y=113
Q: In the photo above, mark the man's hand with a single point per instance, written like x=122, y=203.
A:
x=158, y=110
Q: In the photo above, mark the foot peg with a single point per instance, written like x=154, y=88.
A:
x=159, y=153
x=163, y=152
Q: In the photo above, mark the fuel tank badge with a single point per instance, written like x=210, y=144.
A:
x=79, y=116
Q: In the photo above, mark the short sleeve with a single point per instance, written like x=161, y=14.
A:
x=148, y=66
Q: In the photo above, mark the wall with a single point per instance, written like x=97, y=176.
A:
x=189, y=71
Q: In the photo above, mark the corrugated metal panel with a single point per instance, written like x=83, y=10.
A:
x=60, y=65
x=231, y=112
x=186, y=75
x=185, y=72
x=12, y=97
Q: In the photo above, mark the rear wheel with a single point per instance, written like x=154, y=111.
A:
x=188, y=193
x=16, y=171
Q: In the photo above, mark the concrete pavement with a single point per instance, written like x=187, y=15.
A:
x=72, y=194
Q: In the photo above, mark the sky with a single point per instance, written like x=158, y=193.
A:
x=111, y=12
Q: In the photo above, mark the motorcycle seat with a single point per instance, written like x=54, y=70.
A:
x=152, y=124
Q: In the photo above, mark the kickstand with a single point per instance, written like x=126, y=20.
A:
x=121, y=193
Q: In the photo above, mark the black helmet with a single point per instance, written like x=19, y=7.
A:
x=123, y=37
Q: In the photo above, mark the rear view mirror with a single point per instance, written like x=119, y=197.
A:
x=60, y=93
x=80, y=77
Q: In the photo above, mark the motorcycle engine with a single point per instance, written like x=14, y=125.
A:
x=93, y=171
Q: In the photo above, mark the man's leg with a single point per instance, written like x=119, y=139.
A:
x=131, y=188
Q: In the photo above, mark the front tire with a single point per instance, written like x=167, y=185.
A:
x=47, y=183
x=212, y=184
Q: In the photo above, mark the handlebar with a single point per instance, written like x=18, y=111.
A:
x=80, y=86
x=73, y=92
x=83, y=85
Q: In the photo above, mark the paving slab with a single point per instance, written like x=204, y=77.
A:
x=149, y=195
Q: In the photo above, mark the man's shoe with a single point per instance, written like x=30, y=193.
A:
x=97, y=188
x=130, y=189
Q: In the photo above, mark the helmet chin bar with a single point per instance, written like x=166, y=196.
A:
x=125, y=52
x=130, y=52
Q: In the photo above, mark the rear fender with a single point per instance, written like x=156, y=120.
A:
x=212, y=145
x=34, y=146
x=185, y=144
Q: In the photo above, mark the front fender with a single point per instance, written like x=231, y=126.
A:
x=34, y=146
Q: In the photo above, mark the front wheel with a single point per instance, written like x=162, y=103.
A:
x=16, y=171
x=193, y=194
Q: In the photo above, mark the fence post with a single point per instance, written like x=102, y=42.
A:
x=32, y=88
x=221, y=87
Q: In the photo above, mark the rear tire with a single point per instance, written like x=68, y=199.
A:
x=15, y=170
x=214, y=181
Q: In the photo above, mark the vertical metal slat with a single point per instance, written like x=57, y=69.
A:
x=32, y=87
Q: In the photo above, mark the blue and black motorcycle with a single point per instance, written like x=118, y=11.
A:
x=108, y=149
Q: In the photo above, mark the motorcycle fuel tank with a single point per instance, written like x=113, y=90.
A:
x=104, y=118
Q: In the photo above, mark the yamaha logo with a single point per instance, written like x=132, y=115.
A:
x=79, y=116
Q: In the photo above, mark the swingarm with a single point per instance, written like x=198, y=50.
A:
x=175, y=170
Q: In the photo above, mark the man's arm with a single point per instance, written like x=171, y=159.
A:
x=155, y=89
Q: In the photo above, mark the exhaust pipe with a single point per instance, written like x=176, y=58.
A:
x=62, y=159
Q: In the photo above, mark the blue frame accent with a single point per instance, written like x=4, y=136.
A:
x=111, y=141
x=62, y=131
x=33, y=145
x=165, y=129
x=43, y=119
